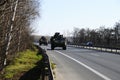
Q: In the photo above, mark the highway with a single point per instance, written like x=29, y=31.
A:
x=83, y=64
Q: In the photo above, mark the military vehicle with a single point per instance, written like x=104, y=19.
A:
x=43, y=41
x=58, y=41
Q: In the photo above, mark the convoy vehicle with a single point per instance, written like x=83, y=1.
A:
x=43, y=41
x=58, y=41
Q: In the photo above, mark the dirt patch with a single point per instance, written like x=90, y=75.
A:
x=32, y=74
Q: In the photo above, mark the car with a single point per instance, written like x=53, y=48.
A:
x=89, y=44
x=43, y=41
x=58, y=41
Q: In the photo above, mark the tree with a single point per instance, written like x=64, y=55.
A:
x=15, y=31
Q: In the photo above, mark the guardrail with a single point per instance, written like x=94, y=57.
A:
x=100, y=48
x=46, y=68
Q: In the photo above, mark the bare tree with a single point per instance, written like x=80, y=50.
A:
x=107, y=37
x=15, y=31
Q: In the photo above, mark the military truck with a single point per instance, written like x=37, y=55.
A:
x=58, y=41
x=43, y=41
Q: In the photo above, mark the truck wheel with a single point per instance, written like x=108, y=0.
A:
x=40, y=44
x=64, y=47
x=52, y=47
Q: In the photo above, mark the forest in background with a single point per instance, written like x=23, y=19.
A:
x=105, y=37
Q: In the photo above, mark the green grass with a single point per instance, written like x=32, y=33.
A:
x=53, y=65
x=24, y=62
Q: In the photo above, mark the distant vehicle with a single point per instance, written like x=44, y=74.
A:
x=58, y=41
x=89, y=44
x=43, y=41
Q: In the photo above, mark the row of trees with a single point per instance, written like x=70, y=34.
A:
x=100, y=37
x=15, y=20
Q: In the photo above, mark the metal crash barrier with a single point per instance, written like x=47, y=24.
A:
x=46, y=68
x=100, y=48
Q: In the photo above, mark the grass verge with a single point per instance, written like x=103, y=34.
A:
x=24, y=62
x=53, y=66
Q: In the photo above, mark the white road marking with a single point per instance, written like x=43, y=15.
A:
x=91, y=69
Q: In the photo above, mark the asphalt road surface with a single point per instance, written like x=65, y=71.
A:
x=84, y=64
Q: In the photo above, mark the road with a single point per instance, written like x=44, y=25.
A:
x=84, y=64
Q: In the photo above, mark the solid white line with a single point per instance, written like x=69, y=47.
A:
x=91, y=69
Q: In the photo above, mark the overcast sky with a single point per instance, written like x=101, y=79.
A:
x=64, y=15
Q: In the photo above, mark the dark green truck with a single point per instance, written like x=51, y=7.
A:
x=58, y=41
